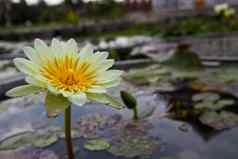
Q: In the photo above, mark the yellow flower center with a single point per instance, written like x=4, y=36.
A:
x=69, y=74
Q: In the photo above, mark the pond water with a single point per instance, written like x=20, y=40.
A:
x=27, y=133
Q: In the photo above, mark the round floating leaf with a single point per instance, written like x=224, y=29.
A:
x=16, y=141
x=223, y=103
x=97, y=145
x=204, y=105
x=134, y=146
x=44, y=140
x=206, y=96
x=220, y=120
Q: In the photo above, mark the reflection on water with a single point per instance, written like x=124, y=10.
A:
x=176, y=139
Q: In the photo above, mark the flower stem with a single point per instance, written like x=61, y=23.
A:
x=67, y=129
x=135, y=110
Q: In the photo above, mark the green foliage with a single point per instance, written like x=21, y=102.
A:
x=220, y=120
x=134, y=146
x=97, y=145
x=184, y=58
x=72, y=17
x=28, y=139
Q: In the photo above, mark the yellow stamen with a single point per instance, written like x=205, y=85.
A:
x=69, y=74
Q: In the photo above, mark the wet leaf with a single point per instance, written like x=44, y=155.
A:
x=44, y=140
x=97, y=145
x=134, y=146
x=206, y=97
x=16, y=141
x=220, y=120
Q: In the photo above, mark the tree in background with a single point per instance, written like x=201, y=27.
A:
x=5, y=12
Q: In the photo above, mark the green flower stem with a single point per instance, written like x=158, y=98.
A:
x=67, y=129
x=135, y=111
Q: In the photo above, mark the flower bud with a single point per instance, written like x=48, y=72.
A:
x=128, y=100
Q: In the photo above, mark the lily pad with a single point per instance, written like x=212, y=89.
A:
x=206, y=96
x=228, y=74
x=16, y=141
x=184, y=58
x=44, y=140
x=97, y=145
x=220, y=120
x=26, y=139
x=134, y=146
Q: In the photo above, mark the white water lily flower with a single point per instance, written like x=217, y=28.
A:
x=229, y=12
x=66, y=75
x=221, y=8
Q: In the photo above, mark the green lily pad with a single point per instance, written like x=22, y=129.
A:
x=184, y=58
x=205, y=105
x=44, y=140
x=28, y=139
x=134, y=146
x=3, y=108
x=16, y=141
x=223, y=103
x=206, y=96
x=220, y=120
x=97, y=145
x=228, y=74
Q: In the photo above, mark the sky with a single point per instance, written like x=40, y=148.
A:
x=50, y=2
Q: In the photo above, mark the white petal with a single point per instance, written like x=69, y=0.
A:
x=40, y=45
x=110, y=84
x=42, y=49
x=96, y=89
x=106, y=65
x=31, y=54
x=66, y=93
x=108, y=76
x=56, y=47
x=86, y=51
x=72, y=46
x=78, y=99
x=26, y=66
x=35, y=82
x=106, y=99
x=101, y=55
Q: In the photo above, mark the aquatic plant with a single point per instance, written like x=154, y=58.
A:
x=130, y=103
x=224, y=10
x=66, y=77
